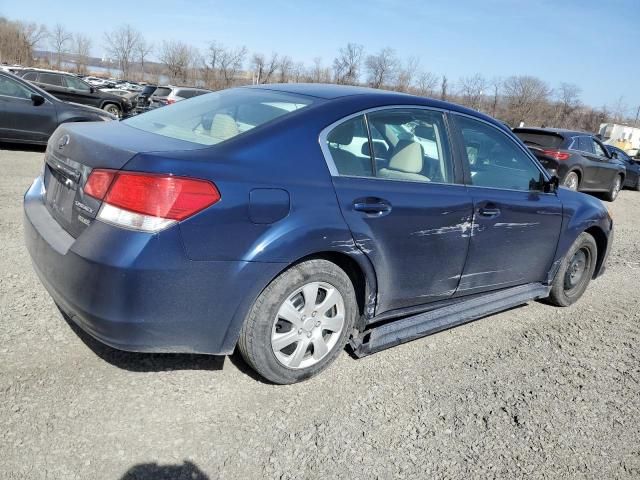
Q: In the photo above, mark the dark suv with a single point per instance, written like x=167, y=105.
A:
x=70, y=88
x=579, y=159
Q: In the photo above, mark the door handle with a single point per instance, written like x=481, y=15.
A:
x=489, y=211
x=376, y=207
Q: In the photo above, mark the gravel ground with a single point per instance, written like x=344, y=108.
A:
x=536, y=391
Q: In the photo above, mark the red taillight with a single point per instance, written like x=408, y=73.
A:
x=98, y=183
x=164, y=196
x=170, y=101
x=557, y=154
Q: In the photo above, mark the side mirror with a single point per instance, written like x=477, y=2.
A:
x=551, y=185
x=37, y=99
x=92, y=89
x=614, y=155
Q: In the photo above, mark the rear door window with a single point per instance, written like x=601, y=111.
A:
x=348, y=147
x=585, y=144
x=50, y=79
x=31, y=76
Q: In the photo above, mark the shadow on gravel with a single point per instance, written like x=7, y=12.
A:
x=153, y=471
x=16, y=147
x=146, y=362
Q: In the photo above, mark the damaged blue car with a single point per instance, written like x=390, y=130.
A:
x=291, y=220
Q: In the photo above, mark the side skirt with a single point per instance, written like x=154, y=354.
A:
x=410, y=328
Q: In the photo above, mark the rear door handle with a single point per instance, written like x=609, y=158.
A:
x=489, y=211
x=376, y=207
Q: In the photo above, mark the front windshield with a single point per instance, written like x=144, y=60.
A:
x=215, y=117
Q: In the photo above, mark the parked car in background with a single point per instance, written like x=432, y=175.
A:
x=243, y=217
x=633, y=153
x=580, y=160
x=167, y=95
x=70, y=88
x=632, y=166
x=99, y=82
x=28, y=114
x=143, y=99
x=130, y=96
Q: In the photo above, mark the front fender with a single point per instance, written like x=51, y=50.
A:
x=581, y=212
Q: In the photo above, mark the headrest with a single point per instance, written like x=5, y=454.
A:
x=223, y=126
x=408, y=159
x=342, y=134
x=425, y=132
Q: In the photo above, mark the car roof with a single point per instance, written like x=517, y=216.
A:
x=334, y=93
x=557, y=131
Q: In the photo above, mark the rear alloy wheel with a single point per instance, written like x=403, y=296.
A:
x=572, y=181
x=575, y=272
x=300, y=323
x=113, y=109
x=612, y=194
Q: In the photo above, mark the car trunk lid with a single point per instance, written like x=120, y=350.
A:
x=74, y=150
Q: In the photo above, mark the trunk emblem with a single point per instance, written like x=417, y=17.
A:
x=63, y=142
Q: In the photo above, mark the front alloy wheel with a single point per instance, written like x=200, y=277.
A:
x=571, y=181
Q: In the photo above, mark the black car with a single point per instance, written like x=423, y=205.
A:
x=70, y=88
x=144, y=98
x=579, y=159
x=632, y=178
x=28, y=114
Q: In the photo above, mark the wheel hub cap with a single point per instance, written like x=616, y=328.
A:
x=308, y=325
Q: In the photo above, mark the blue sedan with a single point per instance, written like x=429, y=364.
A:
x=292, y=220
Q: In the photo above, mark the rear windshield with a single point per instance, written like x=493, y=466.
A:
x=148, y=90
x=215, y=117
x=540, y=139
x=162, y=92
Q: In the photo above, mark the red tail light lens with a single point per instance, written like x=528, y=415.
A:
x=98, y=183
x=170, y=101
x=163, y=196
x=557, y=154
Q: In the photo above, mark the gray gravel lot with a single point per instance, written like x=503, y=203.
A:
x=536, y=392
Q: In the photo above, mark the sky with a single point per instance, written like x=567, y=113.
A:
x=594, y=44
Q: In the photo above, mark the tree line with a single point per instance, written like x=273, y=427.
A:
x=514, y=99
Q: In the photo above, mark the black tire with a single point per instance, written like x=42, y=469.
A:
x=262, y=321
x=565, y=289
x=616, y=186
x=112, y=108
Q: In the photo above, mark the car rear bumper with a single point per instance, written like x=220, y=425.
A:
x=139, y=292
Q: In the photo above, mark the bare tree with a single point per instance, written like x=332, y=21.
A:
x=568, y=103
x=526, y=99
x=122, y=44
x=60, y=39
x=346, y=66
x=426, y=84
x=382, y=68
x=142, y=50
x=472, y=91
x=18, y=39
x=231, y=62
x=496, y=84
x=620, y=110
x=404, y=78
x=264, y=69
x=284, y=68
x=177, y=57
x=82, y=51
x=443, y=88
x=32, y=35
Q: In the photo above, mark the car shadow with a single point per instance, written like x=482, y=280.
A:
x=16, y=147
x=152, y=471
x=146, y=362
